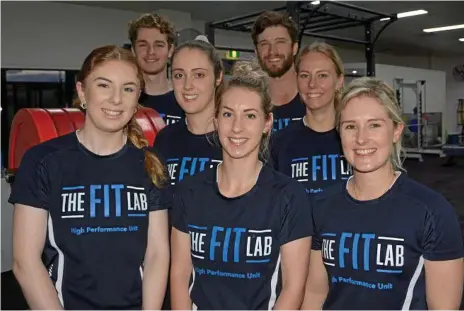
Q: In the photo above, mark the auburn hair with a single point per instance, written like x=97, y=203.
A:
x=154, y=167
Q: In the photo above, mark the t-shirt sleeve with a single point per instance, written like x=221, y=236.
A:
x=442, y=233
x=160, y=199
x=316, y=241
x=179, y=213
x=296, y=215
x=31, y=185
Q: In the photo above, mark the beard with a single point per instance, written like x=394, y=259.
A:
x=277, y=72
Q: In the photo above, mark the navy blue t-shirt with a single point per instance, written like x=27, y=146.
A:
x=235, y=242
x=185, y=153
x=98, y=219
x=313, y=158
x=166, y=105
x=285, y=115
x=374, y=251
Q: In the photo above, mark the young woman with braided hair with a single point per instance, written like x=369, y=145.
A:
x=92, y=202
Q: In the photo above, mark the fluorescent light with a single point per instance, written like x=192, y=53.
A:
x=354, y=72
x=412, y=13
x=316, y=2
x=461, y=39
x=407, y=14
x=444, y=28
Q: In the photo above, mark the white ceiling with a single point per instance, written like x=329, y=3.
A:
x=404, y=36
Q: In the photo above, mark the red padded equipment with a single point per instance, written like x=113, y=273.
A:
x=32, y=126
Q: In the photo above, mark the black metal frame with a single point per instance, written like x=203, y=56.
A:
x=313, y=20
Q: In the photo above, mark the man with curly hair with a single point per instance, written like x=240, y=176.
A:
x=152, y=39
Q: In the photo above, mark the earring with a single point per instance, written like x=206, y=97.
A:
x=84, y=105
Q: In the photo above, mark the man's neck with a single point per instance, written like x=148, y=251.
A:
x=282, y=90
x=321, y=120
x=157, y=84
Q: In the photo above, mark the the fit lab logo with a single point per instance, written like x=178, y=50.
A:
x=170, y=119
x=280, y=123
x=179, y=168
x=320, y=168
x=363, y=252
x=231, y=245
x=103, y=201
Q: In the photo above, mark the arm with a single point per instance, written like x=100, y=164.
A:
x=29, y=232
x=444, y=284
x=295, y=260
x=295, y=245
x=317, y=284
x=443, y=257
x=181, y=270
x=156, y=263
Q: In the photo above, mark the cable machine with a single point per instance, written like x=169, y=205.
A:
x=420, y=130
x=314, y=19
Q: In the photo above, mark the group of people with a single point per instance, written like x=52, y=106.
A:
x=280, y=188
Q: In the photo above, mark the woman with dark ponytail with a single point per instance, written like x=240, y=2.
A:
x=92, y=203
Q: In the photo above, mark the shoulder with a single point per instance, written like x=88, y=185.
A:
x=287, y=133
x=431, y=200
x=330, y=199
x=168, y=132
x=196, y=183
x=282, y=185
x=42, y=152
x=173, y=129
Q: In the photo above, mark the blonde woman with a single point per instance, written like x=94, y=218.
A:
x=382, y=240
x=310, y=150
x=240, y=238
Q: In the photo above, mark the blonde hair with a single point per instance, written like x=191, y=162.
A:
x=329, y=51
x=385, y=95
x=249, y=75
x=153, y=165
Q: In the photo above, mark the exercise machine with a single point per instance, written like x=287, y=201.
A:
x=422, y=133
x=454, y=147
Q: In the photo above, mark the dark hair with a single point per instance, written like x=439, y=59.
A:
x=212, y=55
x=272, y=19
x=97, y=57
x=249, y=75
x=152, y=21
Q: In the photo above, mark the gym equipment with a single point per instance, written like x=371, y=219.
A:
x=455, y=144
x=32, y=126
x=315, y=19
x=422, y=128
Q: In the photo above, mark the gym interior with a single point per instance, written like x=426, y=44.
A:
x=417, y=47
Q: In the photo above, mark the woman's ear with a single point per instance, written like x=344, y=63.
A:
x=268, y=125
x=397, y=131
x=219, y=79
x=80, y=91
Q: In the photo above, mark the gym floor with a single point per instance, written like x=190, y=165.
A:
x=448, y=180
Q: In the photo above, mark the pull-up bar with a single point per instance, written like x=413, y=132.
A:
x=315, y=20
